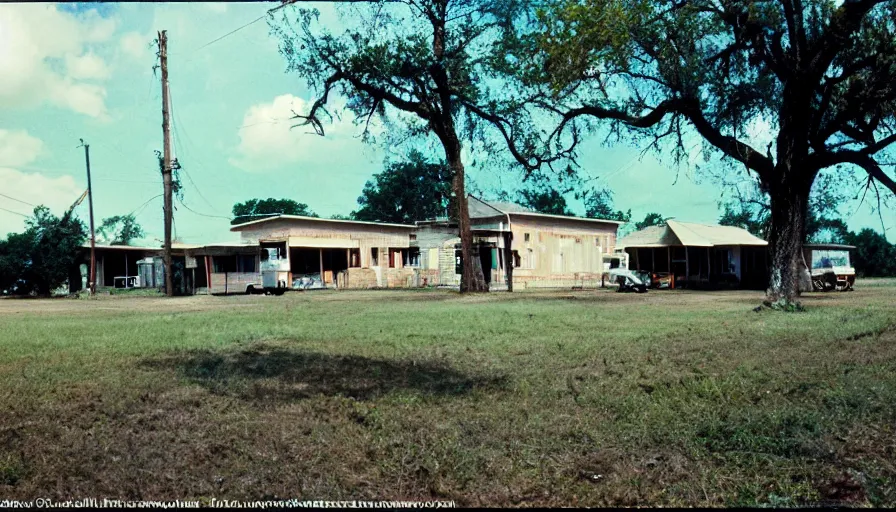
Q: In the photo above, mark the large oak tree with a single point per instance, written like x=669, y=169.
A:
x=423, y=67
x=819, y=76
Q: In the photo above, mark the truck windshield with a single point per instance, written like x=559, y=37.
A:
x=829, y=258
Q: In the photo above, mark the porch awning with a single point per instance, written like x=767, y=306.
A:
x=323, y=243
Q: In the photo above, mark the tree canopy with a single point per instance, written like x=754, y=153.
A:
x=874, y=256
x=651, y=219
x=406, y=191
x=255, y=209
x=119, y=230
x=599, y=205
x=425, y=69
x=543, y=200
x=818, y=77
x=39, y=259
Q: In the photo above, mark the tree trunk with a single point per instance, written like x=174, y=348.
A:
x=472, y=278
x=789, y=209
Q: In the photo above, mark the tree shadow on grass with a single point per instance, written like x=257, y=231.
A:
x=278, y=374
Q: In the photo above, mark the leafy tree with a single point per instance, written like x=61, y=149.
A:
x=752, y=211
x=651, y=219
x=15, y=257
x=424, y=67
x=874, y=255
x=255, y=209
x=339, y=216
x=120, y=230
x=818, y=77
x=406, y=192
x=38, y=260
x=543, y=200
x=599, y=205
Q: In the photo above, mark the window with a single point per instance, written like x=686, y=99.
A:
x=354, y=258
x=374, y=256
x=246, y=263
x=411, y=257
x=224, y=264
x=516, y=259
x=413, y=237
x=458, y=262
x=828, y=259
x=726, y=261
x=526, y=237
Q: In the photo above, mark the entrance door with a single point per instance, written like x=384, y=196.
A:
x=485, y=257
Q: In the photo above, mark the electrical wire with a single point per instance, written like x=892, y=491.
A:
x=256, y=20
x=179, y=143
x=202, y=214
x=17, y=213
x=144, y=204
x=18, y=200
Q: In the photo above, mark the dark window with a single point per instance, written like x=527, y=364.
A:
x=354, y=258
x=516, y=259
x=526, y=237
x=246, y=263
x=224, y=264
x=411, y=257
x=413, y=236
x=458, y=262
x=374, y=256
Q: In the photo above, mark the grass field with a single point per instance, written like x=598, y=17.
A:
x=541, y=398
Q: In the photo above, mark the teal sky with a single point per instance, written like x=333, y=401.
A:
x=72, y=72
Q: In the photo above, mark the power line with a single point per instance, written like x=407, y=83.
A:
x=144, y=204
x=18, y=200
x=17, y=213
x=202, y=214
x=179, y=142
x=256, y=20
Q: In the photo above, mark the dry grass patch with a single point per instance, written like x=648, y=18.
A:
x=535, y=398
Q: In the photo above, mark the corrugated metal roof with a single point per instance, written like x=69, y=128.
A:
x=689, y=234
x=651, y=236
x=709, y=235
x=479, y=209
x=238, y=227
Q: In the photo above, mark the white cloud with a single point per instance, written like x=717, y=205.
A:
x=46, y=57
x=87, y=67
x=135, y=45
x=267, y=140
x=17, y=148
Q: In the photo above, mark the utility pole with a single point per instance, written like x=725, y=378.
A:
x=92, y=283
x=166, y=162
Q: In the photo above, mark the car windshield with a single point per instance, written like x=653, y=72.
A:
x=829, y=258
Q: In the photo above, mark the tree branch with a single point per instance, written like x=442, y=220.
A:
x=861, y=158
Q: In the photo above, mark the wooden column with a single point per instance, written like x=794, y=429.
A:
x=669, y=259
x=687, y=264
x=208, y=273
x=322, y=267
x=508, y=260
x=653, y=259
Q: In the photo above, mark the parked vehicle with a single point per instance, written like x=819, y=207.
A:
x=827, y=267
x=630, y=281
x=274, y=272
